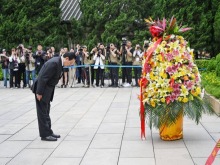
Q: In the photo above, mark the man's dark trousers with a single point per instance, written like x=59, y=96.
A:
x=43, y=115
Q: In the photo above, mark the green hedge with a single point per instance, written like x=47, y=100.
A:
x=211, y=83
x=218, y=65
x=202, y=64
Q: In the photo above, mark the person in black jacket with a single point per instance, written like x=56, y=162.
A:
x=44, y=87
x=4, y=60
x=39, y=58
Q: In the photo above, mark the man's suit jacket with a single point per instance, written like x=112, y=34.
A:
x=48, y=77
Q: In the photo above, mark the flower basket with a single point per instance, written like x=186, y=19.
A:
x=170, y=83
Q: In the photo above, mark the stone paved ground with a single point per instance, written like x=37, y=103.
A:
x=98, y=127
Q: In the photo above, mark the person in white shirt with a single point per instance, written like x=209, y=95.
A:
x=99, y=59
x=14, y=67
x=137, y=57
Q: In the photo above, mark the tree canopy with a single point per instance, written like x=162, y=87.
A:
x=32, y=22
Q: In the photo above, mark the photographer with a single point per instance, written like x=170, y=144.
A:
x=79, y=61
x=137, y=58
x=21, y=71
x=99, y=59
x=14, y=67
x=145, y=46
x=4, y=59
x=39, y=60
x=87, y=62
x=72, y=73
x=91, y=57
x=114, y=59
x=127, y=54
x=30, y=66
x=48, y=55
x=65, y=73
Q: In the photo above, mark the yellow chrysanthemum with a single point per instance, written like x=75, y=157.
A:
x=180, y=99
x=194, y=93
x=185, y=100
x=152, y=77
x=163, y=100
x=152, y=103
x=163, y=75
x=198, y=90
x=160, y=58
x=184, y=91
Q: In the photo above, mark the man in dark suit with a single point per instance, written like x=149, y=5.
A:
x=43, y=88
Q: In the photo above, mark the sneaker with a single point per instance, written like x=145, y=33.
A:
x=127, y=85
x=102, y=86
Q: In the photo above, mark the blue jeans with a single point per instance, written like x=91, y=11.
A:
x=5, y=75
x=28, y=73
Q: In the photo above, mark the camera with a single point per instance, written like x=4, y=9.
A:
x=80, y=49
x=99, y=52
x=19, y=46
x=27, y=56
x=145, y=46
x=124, y=41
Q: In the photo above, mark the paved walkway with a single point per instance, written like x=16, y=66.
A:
x=99, y=126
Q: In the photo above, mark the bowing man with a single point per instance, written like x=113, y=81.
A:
x=44, y=87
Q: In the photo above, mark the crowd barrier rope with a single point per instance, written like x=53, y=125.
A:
x=114, y=66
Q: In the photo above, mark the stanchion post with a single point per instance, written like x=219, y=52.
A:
x=90, y=79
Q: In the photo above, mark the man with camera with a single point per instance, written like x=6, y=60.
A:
x=14, y=68
x=21, y=71
x=127, y=58
x=114, y=59
x=91, y=57
x=87, y=61
x=30, y=65
x=39, y=58
x=137, y=58
x=4, y=60
x=79, y=61
x=48, y=55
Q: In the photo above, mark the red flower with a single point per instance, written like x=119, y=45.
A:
x=155, y=31
x=143, y=82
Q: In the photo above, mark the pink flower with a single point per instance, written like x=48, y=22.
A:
x=168, y=99
x=173, y=98
x=175, y=86
x=169, y=70
x=147, y=68
x=176, y=52
x=169, y=56
x=189, y=84
x=172, y=69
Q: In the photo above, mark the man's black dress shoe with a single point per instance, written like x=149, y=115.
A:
x=49, y=138
x=56, y=136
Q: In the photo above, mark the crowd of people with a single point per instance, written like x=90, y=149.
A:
x=91, y=67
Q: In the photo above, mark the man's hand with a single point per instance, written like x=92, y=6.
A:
x=39, y=97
